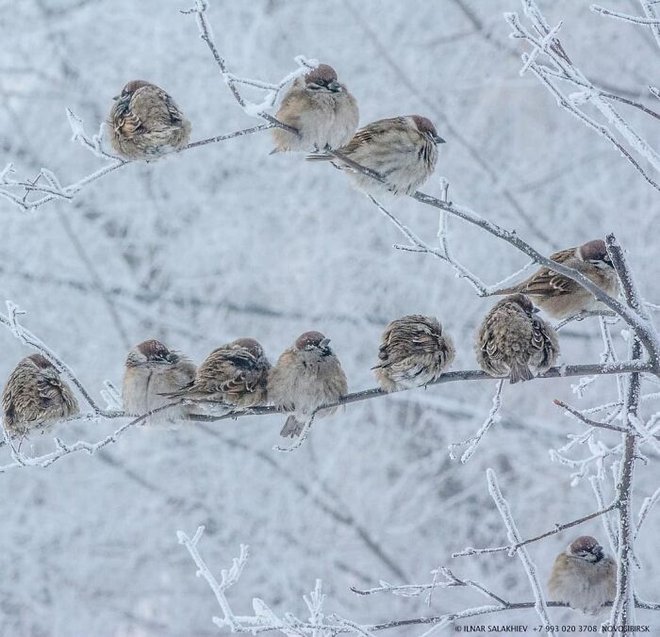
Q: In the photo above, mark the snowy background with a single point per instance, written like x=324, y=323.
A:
x=226, y=241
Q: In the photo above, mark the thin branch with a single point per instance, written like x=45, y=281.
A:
x=587, y=421
x=626, y=17
x=565, y=371
x=511, y=548
x=473, y=441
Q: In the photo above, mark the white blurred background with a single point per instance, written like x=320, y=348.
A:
x=226, y=241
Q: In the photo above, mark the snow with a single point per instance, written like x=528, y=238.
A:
x=224, y=241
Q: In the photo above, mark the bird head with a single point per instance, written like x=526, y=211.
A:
x=585, y=548
x=323, y=78
x=151, y=352
x=425, y=127
x=313, y=342
x=595, y=252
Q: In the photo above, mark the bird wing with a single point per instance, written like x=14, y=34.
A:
x=544, y=281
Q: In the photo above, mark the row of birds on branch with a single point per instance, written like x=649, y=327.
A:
x=319, y=116
x=512, y=341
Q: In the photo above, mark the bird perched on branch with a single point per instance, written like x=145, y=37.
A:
x=306, y=376
x=145, y=122
x=562, y=297
x=235, y=374
x=583, y=576
x=402, y=150
x=513, y=342
x=414, y=351
x=151, y=371
x=321, y=109
x=35, y=396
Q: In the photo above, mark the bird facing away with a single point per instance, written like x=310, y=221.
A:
x=513, y=342
x=145, y=122
x=151, y=371
x=35, y=396
x=306, y=376
x=583, y=576
x=402, y=150
x=321, y=109
x=235, y=374
x=562, y=297
x=413, y=352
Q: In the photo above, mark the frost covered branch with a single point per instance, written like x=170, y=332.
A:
x=250, y=108
x=64, y=449
x=540, y=604
x=558, y=69
x=511, y=548
x=650, y=18
x=10, y=320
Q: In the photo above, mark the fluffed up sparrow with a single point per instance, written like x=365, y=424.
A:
x=513, y=342
x=151, y=371
x=402, y=150
x=583, y=576
x=35, y=397
x=562, y=297
x=321, y=109
x=414, y=351
x=306, y=376
x=235, y=374
x=145, y=122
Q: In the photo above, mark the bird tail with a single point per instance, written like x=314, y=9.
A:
x=519, y=372
x=292, y=428
x=503, y=291
x=319, y=157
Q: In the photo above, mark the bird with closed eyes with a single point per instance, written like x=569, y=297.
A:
x=306, y=376
x=583, y=576
x=321, y=109
x=562, y=297
x=235, y=374
x=403, y=151
x=152, y=370
x=145, y=122
x=414, y=351
x=512, y=341
x=35, y=397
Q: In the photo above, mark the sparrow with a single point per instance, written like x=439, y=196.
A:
x=306, y=376
x=321, y=109
x=145, y=122
x=583, y=576
x=413, y=352
x=513, y=342
x=151, y=371
x=402, y=150
x=562, y=297
x=235, y=374
x=35, y=397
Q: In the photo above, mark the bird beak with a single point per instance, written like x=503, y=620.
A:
x=438, y=140
x=335, y=87
x=536, y=310
x=324, y=343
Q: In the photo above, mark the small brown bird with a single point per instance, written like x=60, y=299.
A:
x=146, y=123
x=152, y=370
x=35, y=397
x=511, y=340
x=235, y=374
x=583, y=576
x=562, y=297
x=321, y=109
x=402, y=150
x=306, y=376
x=414, y=351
